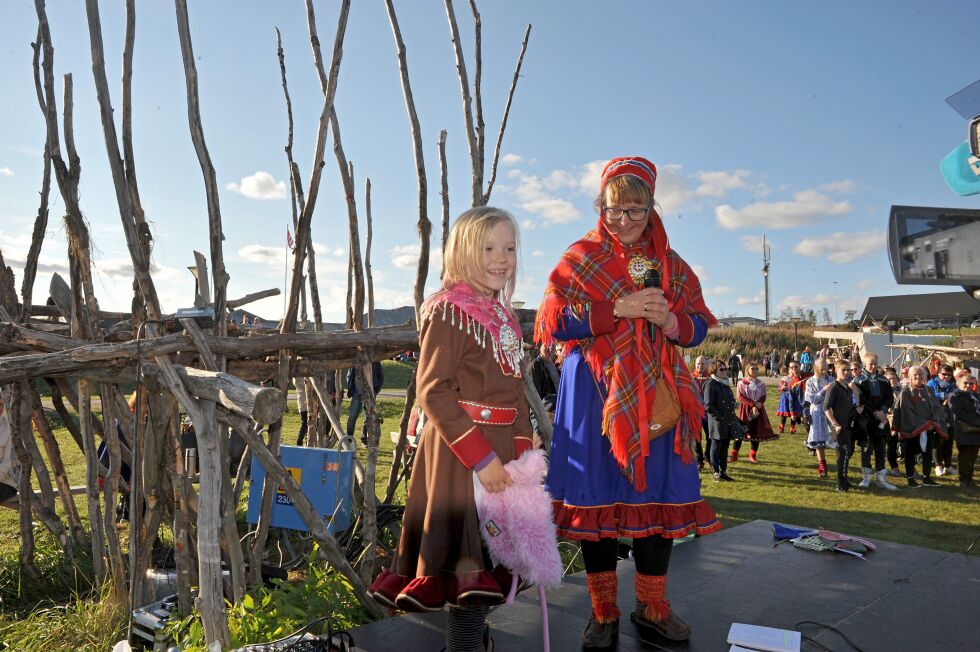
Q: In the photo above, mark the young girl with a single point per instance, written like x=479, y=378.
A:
x=751, y=396
x=790, y=398
x=469, y=386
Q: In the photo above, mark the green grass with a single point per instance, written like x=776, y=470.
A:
x=397, y=374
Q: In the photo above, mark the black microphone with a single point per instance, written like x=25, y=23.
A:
x=651, y=280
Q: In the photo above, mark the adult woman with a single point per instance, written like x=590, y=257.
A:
x=965, y=408
x=815, y=391
x=751, y=395
x=723, y=424
x=918, y=417
x=614, y=472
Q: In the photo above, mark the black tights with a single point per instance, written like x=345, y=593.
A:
x=792, y=421
x=737, y=445
x=911, y=448
x=652, y=555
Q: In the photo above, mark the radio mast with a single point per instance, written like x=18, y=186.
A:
x=766, y=255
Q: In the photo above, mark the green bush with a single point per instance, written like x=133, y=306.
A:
x=751, y=342
x=269, y=614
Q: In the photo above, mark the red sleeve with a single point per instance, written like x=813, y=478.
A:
x=601, y=317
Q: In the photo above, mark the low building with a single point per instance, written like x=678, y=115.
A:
x=725, y=322
x=901, y=309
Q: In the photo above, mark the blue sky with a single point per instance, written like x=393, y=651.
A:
x=799, y=121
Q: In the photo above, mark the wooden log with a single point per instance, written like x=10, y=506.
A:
x=92, y=481
x=53, y=451
x=424, y=225
x=444, y=189
x=116, y=355
x=369, y=514
x=117, y=564
x=60, y=293
x=464, y=87
x=367, y=254
x=19, y=422
x=503, y=121
x=234, y=304
x=260, y=404
x=399, y=453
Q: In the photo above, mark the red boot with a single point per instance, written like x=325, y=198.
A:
x=753, y=456
x=792, y=429
x=733, y=457
x=782, y=427
x=822, y=469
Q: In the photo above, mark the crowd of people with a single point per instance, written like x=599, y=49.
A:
x=911, y=415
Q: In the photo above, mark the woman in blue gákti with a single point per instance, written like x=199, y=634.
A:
x=614, y=472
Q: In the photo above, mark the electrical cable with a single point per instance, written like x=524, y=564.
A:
x=831, y=628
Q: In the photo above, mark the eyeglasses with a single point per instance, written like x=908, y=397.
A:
x=722, y=368
x=615, y=214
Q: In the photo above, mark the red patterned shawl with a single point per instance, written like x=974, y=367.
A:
x=626, y=361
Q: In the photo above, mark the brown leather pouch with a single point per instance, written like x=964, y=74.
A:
x=666, y=410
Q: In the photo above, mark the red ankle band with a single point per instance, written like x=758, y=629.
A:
x=602, y=589
x=651, y=590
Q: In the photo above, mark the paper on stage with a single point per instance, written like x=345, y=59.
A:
x=768, y=639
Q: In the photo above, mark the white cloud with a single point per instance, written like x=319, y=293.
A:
x=806, y=301
x=339, y=252
x=866, y=284
x=841, y=186
x=537, y=252
x=511, y=159
x=6, y=172
x=673, y=189
x=843, y=247
x=256, y=253
x=407, y=257
x=514, y=173
x=536, y=196
x=260, y=185
x=701, y=271
x=718, y=184
x=529, y=225
x=719, y=290
x=750, y=301
x=753, y=243
x=807, y=206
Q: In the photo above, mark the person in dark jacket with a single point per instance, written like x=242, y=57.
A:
x=838, y=407
x=544, y=372
x=377, y=380
x=723, y=426
x=734, y=366
x=964, y=406
x=920, y=421
x=874, y=400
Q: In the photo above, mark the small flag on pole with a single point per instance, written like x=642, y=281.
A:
x=289, y=240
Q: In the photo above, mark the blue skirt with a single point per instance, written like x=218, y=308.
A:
x=592, y=497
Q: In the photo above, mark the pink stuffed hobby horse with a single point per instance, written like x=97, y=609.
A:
x=519, y=529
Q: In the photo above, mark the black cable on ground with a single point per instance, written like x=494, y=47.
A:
x=831, y=628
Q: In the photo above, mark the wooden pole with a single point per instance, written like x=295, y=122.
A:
x=503, y=121
x=92, y=481
x=424, y=225
x=444, y=189
x=464, y=89
x=367, y=254
x=18, y=424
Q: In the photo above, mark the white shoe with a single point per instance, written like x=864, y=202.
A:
x=882, y=482
x=940, y=470
x=865, y=478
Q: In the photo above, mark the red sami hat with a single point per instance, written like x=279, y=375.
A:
x=636, y=166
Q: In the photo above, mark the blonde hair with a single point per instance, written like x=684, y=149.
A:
x=463, y=258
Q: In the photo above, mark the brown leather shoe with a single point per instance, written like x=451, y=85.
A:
x=672, y=627
x=600, y=636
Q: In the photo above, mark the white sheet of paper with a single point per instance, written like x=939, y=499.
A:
x=767, y=639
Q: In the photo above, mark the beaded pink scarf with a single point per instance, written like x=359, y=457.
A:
x=484, y=318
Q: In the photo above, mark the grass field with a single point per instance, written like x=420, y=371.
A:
x=783, y=487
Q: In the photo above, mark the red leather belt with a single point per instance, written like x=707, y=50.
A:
x=489, y=415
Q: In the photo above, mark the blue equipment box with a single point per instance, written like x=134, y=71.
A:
x=326, y=476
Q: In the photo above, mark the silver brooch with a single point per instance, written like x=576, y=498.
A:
x=501, y=313
x=509, y=342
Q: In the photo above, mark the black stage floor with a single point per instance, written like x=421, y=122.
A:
x=901, y=598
